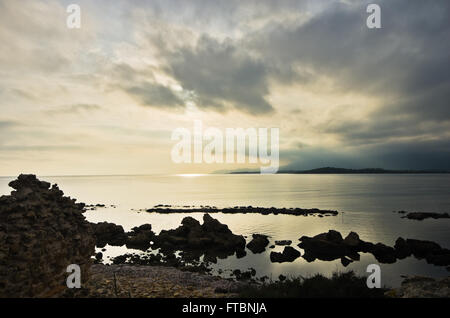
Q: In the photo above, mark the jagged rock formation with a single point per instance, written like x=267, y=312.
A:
x=41, y=233
x=211, y=237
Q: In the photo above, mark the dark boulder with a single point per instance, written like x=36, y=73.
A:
x=421, y=249
x=108, y=233
x=402, y=249
x=352, y=240
x=289, y=254
x=383, y=253
x=326, y=246
x=212, y=237
x=140, y=237
x=345, y=261
x=258, y=243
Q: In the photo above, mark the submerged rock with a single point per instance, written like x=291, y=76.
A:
x=258, y=243
x=41, y=233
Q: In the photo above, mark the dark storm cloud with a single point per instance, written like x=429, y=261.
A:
x=414, y=154
x=152, y=94
x=220, y=74
x=408, y=59
x=141, y=85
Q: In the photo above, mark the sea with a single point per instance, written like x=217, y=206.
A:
x=367, y=205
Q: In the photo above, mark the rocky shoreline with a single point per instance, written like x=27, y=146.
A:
x=134, y=281
x=42, y=232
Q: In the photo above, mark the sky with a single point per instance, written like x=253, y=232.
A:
x=106, y=98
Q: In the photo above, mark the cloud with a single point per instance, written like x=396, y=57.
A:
x=73, y=109
x=156, y=95
x=411, y=154
x=221, y=76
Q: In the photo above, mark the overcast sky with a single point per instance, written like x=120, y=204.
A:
x=104, y=99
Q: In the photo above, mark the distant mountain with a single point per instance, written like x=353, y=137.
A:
x=333, y=170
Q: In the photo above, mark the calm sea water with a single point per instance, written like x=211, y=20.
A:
x=365, y=202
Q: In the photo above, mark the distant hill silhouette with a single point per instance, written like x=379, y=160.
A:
x=333, y=170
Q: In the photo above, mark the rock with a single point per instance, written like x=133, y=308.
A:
x=326, y=246
x=258, y=243
x=289, y=254
x=421, y=249
x=241, y=209
x=441, y=258
x=211, y=237
x=140, y=237
x=330, y=236
x=419, y=216
x=352, y=240
x=241, y=253
x=345, y=261
x=422, y=287
x=109, y=233
x=383, y=253
x=247, y=275
x=330, y=246
x=41, y=233
x=402, y=249
x=283, y=242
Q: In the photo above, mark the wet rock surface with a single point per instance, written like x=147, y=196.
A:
x=41, y=233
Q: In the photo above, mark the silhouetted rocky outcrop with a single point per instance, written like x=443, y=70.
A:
x=258, y=243
x=289, y=254
x=140, y=237
x=330, y=246
x=109, y=233
x=419, y=216
x=41, y=233
x=212, y=237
